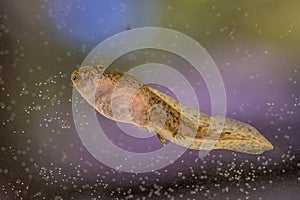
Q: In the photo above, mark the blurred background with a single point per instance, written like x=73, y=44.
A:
x=255, y=44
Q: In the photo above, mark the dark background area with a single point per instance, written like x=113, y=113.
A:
x=255, y=44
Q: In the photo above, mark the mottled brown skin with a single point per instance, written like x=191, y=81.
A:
x=123, y=98
x=140, y=101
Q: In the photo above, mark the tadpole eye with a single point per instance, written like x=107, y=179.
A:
x=75, y=76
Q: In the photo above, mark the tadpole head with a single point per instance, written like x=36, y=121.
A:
x=84, y=74
x=75, y=75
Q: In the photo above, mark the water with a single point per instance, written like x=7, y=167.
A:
x=42, y=156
